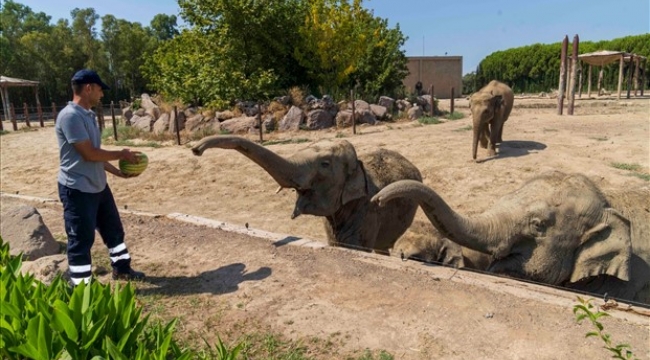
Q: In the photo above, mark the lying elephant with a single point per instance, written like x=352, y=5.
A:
x=331, y=181
x=423, y=242
x=557, y=229
x=490, y=107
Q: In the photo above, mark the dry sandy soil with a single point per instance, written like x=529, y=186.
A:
x=338, y=302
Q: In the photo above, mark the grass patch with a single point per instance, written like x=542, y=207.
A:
x=429, y=120
x=455, y=116
x=4, y=132
x=635, y=169
x=550, y=130
x=642, y=176
x=340, y=134
x=464, y=128
x=287, y=141
x=599, y=138
x=624, y=166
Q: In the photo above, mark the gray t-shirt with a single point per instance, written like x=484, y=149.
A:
x=75, y=124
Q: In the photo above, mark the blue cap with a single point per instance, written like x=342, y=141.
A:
x=87, y=76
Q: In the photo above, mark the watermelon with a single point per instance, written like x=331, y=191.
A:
x=134, y=169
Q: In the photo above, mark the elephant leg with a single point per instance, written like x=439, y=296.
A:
x=485, y=135
x=500, y=137
x=493, y=140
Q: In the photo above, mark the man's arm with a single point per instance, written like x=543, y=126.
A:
x=108, y=167
x=90, y=153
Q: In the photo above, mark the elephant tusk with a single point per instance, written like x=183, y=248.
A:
x=278, y=190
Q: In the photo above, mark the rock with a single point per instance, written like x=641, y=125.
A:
x=23, y=228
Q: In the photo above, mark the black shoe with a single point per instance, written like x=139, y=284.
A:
x=128, y=275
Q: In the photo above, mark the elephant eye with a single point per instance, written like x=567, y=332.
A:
x=325, y=164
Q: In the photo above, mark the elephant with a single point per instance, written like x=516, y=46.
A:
x=332, y=182
x=490, y=107
x=423, y=242
x=557, y=228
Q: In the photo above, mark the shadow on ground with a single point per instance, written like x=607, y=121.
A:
x=515, y=148
x=223, y=280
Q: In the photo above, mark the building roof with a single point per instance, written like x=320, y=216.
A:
x=604, y=57
x=6, y=81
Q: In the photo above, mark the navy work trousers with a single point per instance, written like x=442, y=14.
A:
x=83, y=213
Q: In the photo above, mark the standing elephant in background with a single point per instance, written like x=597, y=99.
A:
x=332, y=182
x=557, y=229
x=490, y=107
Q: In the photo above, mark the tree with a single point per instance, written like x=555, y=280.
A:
x=164, y=27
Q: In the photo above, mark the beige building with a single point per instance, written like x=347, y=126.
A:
x=443, y=72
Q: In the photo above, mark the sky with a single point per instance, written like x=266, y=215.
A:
x=472, y=29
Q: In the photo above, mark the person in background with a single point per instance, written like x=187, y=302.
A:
x=88, y=202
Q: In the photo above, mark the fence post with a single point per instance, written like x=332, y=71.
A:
x=563, y=66
x=178, y=132
x=100, y=116
x=354, y=114
x=574, y=72
x=54, y=114
x=259, y=122
x=114, y=122
x=26, y=114
x=451, y=110
x=40, y=114
x=13, y=116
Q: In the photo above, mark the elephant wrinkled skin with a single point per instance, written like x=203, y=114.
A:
x=332, y=182
x=557, y=229
x=490, y=107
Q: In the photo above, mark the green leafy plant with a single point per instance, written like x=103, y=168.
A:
x=455, y=115
x=464, y=128
x=89, y=321
x=585, y=310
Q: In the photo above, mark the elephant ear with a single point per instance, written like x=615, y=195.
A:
x=606, y=249
x=355, y=180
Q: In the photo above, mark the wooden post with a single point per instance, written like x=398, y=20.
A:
x=637, y=62
x=114, y=122
x=567, y=91
x=2, y=127
x=54, y=114
x=451, y=108
x=629, y=75
x=433, y=102
x=620, y=75
x=13, y=116
x=644, y=68
x=354, y=113
x=100, y=116
x=600, y=80
x=580, y=80
x=259, y=122
x=26, y=114
x=589, y=82
x=563, y=65
x=574, y=73
x=40, y=114
x=178, y=132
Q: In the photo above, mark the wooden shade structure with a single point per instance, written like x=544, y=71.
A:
x=6, y=83
x=604, y=57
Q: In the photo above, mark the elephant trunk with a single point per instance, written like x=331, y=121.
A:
x=478, y=234
x=283, y=171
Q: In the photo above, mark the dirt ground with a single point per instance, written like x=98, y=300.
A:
x=338, y=302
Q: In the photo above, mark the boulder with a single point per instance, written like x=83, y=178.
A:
x=292, y=120
x=23, y=228
x=46, y=268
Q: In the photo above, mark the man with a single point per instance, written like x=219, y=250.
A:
x=88, y=202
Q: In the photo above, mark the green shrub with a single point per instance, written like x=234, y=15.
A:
x=91, y=321
x=427, y=120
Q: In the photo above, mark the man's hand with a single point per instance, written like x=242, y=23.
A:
x=128, y=155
